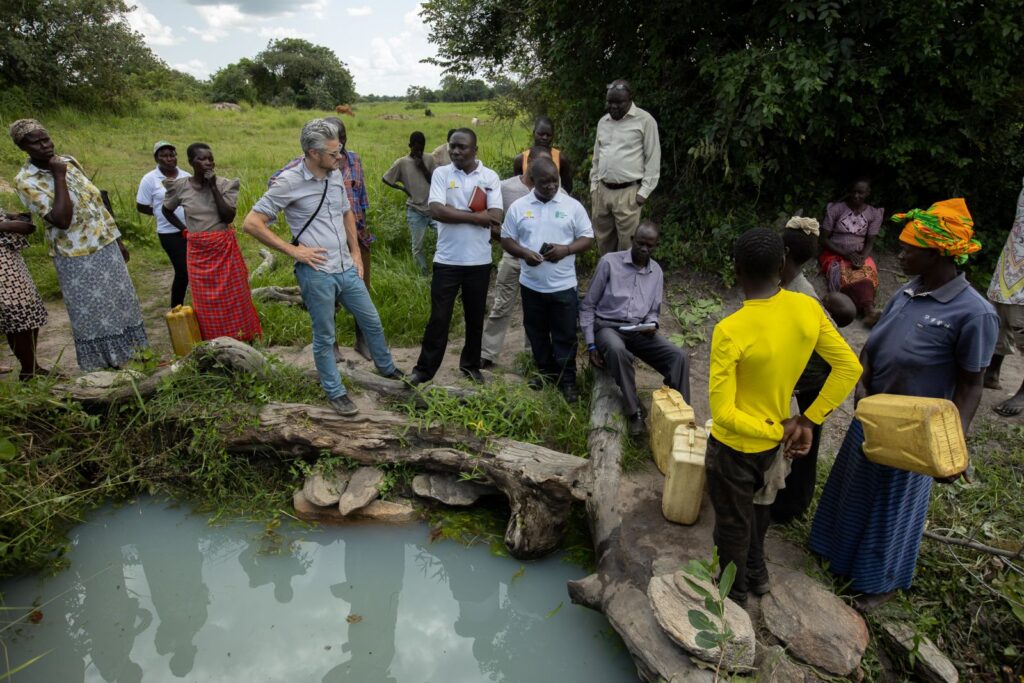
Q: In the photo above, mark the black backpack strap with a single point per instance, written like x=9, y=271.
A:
x=295, y=240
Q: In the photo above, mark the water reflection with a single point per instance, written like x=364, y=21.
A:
x=173, y=567
x=373, y=582
x=264, y=563
x=154, y=594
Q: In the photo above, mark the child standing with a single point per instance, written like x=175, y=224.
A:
x=757, y=355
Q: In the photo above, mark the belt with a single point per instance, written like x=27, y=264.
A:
x=620, y=186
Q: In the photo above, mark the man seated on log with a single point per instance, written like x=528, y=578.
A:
x=325, y=247
x=619, y=317
x=757, y=355
x=545, y=229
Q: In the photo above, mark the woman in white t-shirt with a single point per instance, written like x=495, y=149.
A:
x=170, y=229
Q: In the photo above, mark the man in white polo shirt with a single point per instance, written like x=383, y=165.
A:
x=545, y=230
x=462, y=261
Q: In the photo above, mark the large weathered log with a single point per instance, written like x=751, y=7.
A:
x=540, y=484
x=265, y=265
x=283, y=295
x=625, y=555
x=392, y=387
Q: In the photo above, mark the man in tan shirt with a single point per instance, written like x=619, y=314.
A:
x=625, y=170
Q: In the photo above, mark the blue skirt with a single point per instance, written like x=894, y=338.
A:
x=870, y=519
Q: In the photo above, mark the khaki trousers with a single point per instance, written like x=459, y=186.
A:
x=506, y=295
x=615, y=215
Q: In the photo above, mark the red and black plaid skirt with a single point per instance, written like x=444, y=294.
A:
x=220, y=287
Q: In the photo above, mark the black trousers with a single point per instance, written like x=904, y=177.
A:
x=618, y=350
x=550, y=323
x=445, y=284
x=176, y=246
x=792, y=502
x=740, y=525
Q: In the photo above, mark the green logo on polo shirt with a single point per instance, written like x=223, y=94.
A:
x=561, y=214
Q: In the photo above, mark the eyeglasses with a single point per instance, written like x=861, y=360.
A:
x=618, y=86
x=335, y=154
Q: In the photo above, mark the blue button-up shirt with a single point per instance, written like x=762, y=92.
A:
x=922, y=338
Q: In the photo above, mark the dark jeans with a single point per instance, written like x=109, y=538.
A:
x=176, y=246
x=733, y=479
x=445, y=284
x=618, y=350
x=550, y=323
x=792, y=502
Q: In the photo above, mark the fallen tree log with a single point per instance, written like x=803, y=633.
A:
x=625, y=533
x=265, y=265
x=540, y=484
x=284, y=295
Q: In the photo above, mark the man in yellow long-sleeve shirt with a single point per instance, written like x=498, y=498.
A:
x=757, y=355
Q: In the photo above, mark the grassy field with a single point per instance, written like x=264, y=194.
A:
x=117, y=150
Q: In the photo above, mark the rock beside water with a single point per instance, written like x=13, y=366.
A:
x=325, y=490
x=672, y=599
x=387, y=511
x=816, y=626
x=449, y=489
x=361, y=489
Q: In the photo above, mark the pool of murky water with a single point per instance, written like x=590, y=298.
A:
x=154, y=593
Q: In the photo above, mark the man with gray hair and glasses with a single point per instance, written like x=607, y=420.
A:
x=625, y=169
x=326, y=252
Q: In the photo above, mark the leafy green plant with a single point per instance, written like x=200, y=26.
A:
x=691, y=316
x=711, y=633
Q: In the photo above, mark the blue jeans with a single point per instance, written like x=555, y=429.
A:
x=320, y=292
x=418, y=224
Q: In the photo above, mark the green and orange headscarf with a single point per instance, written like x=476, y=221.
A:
x=946, y=226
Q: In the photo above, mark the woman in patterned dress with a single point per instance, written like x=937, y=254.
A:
x=21, y=310
x=847, y=236
x=86, y=248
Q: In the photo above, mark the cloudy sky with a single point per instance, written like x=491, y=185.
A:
x=381, y=41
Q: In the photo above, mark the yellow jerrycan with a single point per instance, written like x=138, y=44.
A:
x=684, y=481
x=668, y=411
x=184, y=329
x=914, y=433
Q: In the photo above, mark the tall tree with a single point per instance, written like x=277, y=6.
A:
x=70, y=51
x=770, y=107
x=295, y=71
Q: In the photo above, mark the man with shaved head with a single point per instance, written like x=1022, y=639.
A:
x=619, y=317
x=625, y=169
x=545, y=230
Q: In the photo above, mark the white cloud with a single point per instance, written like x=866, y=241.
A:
x=361, y=11
x=152, y=29
x=207, y=35
x=412, y=18
x=392, y=65
x=196, y=67
x=282, y=32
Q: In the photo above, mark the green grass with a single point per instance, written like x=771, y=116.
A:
x=251, y=145
x=969, y=603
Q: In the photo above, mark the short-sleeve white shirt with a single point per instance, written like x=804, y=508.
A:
x=531, y=223
x=151, y=193
x=463, y=244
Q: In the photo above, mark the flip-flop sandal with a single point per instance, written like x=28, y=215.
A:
x=1007, y=412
